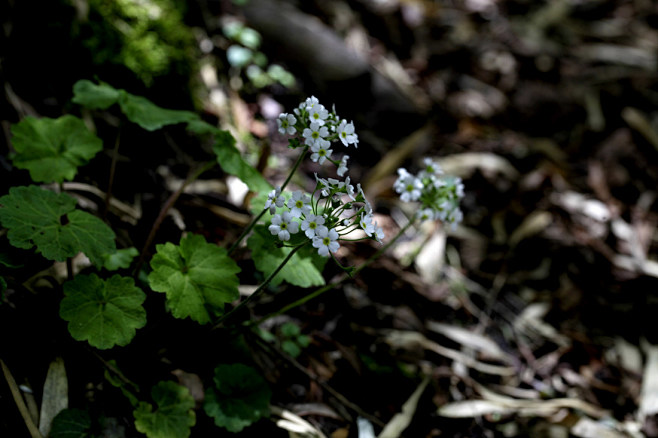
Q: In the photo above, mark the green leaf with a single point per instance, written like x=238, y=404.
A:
x=229, y=157
x=291, y=348
x=300, y=269
x=150, y=116
x=303, y=340
x=198, y=278
x=174, y=416
x=71, y=423
x=121, y=259
x=290, y=330
x=93, y=96
x=103, y=312
x=53, y=149
x=49, y=221
x=240, y=397
x=231, y=161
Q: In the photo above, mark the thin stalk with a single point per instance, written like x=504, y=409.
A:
x=165, y=209
x=20, y=403
x=253, y=223
x=294, y=168
x=69, y=261
x=330, y=286
x=110, y=182
x=260, y=290
x=246, y=231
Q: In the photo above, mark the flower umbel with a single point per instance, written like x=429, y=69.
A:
x=438, y=195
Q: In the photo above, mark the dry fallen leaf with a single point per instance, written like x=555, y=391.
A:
x=55, y=395
x=402, y=420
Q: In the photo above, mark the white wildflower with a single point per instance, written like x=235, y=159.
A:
x=312, y=224
x=367, y=224
x=321, y=151
x=286, y=123
x=409, y=187
x=274, y=200
x=299, y=204
x=425, y=214
x=315, y=132
x=318, y=114
x=283, y=225
x=431, y=168
x=342, y=167
x=346, y=133
x=326, y=240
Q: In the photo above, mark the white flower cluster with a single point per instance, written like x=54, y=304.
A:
x=318, y=128
x=337, y=210
x=438, y=195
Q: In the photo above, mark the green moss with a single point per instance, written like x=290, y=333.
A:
x=148, y=37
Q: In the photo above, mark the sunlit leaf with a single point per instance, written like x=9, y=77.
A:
x=121, y=259
x=150, y=116
x=103, y=312
x=94, y=96
x=229, y=157
x=71, y=423
x=49, y=221
x=53, y=149
x=174, y=415
x=240, y=397
x=198, y=278
x=300, y=270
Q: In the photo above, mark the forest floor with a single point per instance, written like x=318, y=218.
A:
x=536, y=316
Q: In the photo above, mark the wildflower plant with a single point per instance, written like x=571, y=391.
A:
x=304, y=230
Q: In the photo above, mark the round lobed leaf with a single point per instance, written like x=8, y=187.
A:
x=49, y=221
x=53, y=149
x=240, y=397
x=103, y=312
x=198, y=278
x=71, y=423
x=174, y=416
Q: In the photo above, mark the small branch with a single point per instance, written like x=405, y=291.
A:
x=245, y=232
x=330, y=286
x=260, y=289
x=110, y=182
x=165, y=209
x=20, y=404
x=340, y=397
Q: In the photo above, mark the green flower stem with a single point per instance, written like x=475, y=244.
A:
x=246, y=231
x=259, y=291
x=260, y=215
x=294, y=168
x=329, y=287
x=165, y=209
